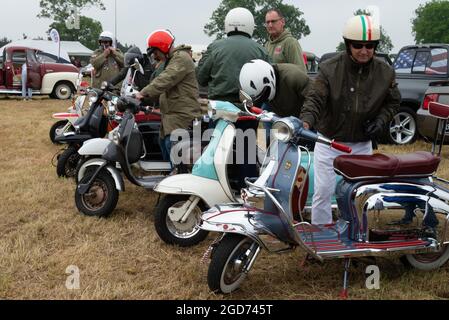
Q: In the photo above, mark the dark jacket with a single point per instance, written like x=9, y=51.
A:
x=177, y=89
x=140, y=80
x=345, y=96
x=292, y=85
x=220, y=66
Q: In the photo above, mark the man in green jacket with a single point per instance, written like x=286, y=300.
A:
x=107, y=60
x=175, y=87
x=282, y=47
x=352, y=100
x=220, y=66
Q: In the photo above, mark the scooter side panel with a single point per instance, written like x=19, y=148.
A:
x=205, y=167
x=207, y=189
x=94, y=147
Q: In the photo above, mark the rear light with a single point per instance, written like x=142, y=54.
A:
x=428, y=98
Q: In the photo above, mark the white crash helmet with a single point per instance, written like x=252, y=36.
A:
x=106, y=36
x=258, y=79
x=362, y=28
x=239, y=19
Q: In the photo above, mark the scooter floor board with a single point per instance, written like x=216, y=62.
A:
x=334, y=238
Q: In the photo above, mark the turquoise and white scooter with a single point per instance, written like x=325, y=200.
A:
x=186, y=196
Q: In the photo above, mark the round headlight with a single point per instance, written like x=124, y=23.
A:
x=93, y=96
x=283, y=130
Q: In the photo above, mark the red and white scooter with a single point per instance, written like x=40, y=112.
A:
x=67, y=119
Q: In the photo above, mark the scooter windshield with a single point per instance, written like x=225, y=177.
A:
x=223, y=110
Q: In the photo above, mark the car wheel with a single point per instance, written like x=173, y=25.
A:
x=63, y=91
x=403, y=128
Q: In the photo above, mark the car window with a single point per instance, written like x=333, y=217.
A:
x=438, y=62
x=431, y=62
x=404, y=61
x=44, y=57
x=31, y=56
x=18, y=57
x=422, y=59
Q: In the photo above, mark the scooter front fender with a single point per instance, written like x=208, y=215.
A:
x=71, y=117
x=210, y=191
x=116, y=175
x=94, y=147
x=234, y=218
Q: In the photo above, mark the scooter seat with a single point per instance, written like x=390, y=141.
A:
x=356, y=167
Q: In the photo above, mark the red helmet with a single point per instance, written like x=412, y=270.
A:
x=162, y=40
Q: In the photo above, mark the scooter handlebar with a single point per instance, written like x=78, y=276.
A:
x=341, y=147
x=336, y=145
x=256, y=110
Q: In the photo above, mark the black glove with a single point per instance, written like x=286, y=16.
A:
x=374, y=129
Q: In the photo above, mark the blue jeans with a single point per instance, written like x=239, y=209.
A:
x=165, y=145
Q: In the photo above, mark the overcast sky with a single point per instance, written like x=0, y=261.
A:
x=186, y=19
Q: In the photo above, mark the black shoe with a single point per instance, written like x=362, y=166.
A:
x=429, y=232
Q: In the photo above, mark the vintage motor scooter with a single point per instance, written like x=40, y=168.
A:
x=66, y=120
x=387, y=204
x=214, y=178
x=100, y=179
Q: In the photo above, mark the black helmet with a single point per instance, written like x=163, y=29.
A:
x=131, y=55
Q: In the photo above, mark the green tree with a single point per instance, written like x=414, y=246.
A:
x=293, y=20
x=431, y=22
x=385, y=43
x=60, y=11
x=4, y=41
x=88, y=33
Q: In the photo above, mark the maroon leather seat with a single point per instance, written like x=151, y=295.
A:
x=417, y=164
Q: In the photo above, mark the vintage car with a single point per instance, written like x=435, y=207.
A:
x=55, y=79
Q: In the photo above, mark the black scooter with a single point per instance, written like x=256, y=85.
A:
x=100, y=180
x=94, y=124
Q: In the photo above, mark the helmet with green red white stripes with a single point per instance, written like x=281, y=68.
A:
x=362, y=28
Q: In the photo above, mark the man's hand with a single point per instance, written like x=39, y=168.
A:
x=374, y=129
x=138, y=96
x=107, y=52
x=306, y=125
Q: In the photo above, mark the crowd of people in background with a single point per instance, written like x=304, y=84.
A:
x=351, y=99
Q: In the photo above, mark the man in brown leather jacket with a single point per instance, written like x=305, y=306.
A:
x=352, y=100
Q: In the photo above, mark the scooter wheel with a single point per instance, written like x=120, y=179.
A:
x=101, y=198
x=57, y=126
x=183, y=234
x=427, y=261
x=67, y=163
x=229, y=262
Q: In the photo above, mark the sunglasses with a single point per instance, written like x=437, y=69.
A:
x=368, y=46
x=271, y=22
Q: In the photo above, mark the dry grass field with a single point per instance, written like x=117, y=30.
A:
x=121, y=257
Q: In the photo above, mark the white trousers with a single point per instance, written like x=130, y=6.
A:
x=325, y=178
